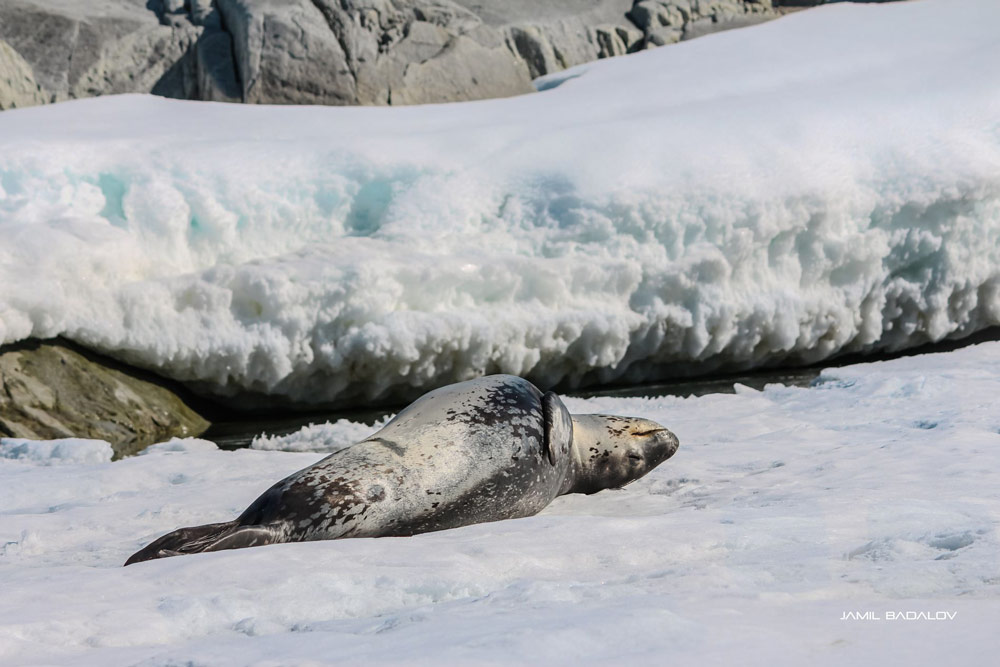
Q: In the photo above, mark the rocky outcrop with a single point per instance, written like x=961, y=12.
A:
x=330, y=51
x=82, y=49
x=368, y=52
x=555, y=35
x=18, y=87
x=669, y=21
x=52, y=390
x=552, y=36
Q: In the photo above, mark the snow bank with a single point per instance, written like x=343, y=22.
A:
x=828, y=181
x=67, y=451
x=875, y=491
x=328, y=437
x=180, y=445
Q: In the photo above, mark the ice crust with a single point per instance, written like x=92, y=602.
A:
x=326, y=437
x=874, y=491
x=66, y=451
x=828, y=181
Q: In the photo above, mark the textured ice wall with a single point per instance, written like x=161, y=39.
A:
x=828, y=181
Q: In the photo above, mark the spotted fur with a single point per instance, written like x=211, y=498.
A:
x=484, y=450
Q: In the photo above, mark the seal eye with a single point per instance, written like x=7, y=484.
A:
x=635, y=457
x=647, y=432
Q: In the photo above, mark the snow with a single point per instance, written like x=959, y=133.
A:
x=785, y=509
x=825, y=182
x=328, y=437
x=65, y=451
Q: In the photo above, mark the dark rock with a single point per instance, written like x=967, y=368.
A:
x=216, y=69
x=204, y=13
x=332, y=51
x=53, y=390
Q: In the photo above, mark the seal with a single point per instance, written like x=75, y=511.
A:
x=484, y=450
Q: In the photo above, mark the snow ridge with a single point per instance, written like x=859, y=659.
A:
x=829, y=181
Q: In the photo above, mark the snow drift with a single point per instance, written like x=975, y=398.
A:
x=826, y=182
x=875, y=491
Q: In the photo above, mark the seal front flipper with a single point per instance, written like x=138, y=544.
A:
x=558, y=427
x=210, y=537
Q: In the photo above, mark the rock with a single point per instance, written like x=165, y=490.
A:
x=174, y=7
x=630, y=36
x=216, y=69
x=77, y=50
x=553, y=35
x=723, y=21
x=332, y=51
x=533, y=46
x=285, y=53
x=204, y=13
x=53, y=390
x=463, y=69
x=668, y=21
x=609, y=42
x=367, y=52
x=18, y=87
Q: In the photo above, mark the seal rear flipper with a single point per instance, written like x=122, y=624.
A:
x=210, y=537
x=244, y=536
x=558, y=427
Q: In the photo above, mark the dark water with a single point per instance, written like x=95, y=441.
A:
x=237, y=434
x=240, y=433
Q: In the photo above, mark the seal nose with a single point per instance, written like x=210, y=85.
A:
x=669, y=442
x=659, y=442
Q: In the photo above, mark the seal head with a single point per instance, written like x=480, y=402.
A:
x=610, y=452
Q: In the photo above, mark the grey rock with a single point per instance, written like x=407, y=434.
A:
x=367, y=52
x=285, y=53
x=609, y=42
x=462, y=66
x=216, y=69
x=723, y=21
x=204, y=13
x=524, y=12
x=74, y=50
x=668, y=21
x=630, y=36
x=81, y=50
x=533, y=46
x=331, y=51
x=552, y=36
x=52, y=390
x=18, y=87
x=652, y=15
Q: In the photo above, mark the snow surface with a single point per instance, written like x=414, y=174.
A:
x=328, y=437
x=56, y=452
x=827, y=181
x=874, y=491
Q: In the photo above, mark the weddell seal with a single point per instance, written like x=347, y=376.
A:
x=483, y=450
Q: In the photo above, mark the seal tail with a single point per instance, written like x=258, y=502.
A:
x=210, y=537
